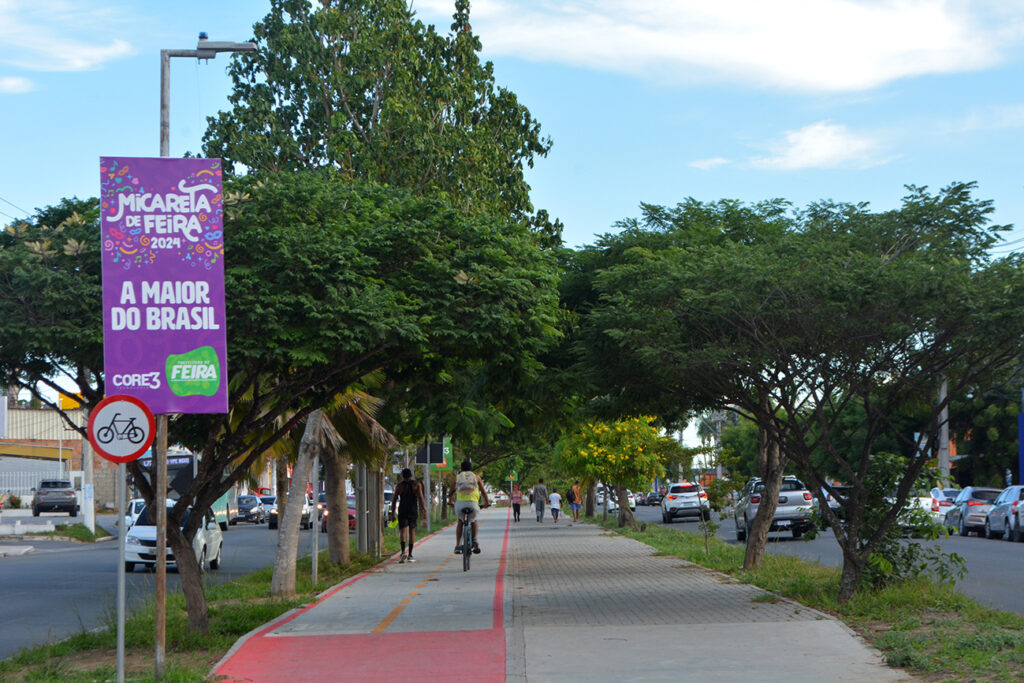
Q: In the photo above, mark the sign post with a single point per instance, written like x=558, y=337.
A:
x=120, y=429
x=164, y=331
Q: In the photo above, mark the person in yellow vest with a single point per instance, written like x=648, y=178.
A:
x=469, y=489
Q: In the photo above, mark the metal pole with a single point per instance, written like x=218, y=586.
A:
x=160, y=500
x=88, y=492
x=316, y=516
x=426, y=485
x=361, y=507
x=122, y=531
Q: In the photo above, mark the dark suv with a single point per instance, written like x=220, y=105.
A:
x=55, y=495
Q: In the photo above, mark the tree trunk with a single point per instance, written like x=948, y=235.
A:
x=771, y=465
x=591, y=495
x=281, y=475
x=191, y=579
x=289, y=519
x=850, y=578
x=625, y=514
x=336, y=472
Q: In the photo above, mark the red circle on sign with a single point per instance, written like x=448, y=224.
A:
x=139, y=448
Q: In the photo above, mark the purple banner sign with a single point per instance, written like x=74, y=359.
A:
x=162, y=236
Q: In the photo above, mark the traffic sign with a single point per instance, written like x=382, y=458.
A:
x=121, y=428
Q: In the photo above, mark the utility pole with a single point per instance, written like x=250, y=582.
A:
x=943, y=446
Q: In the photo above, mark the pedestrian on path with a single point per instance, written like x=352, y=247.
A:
x=556, y=503
x=517, y=502
x=409, y=497
x=575, y=500
x=540, y=494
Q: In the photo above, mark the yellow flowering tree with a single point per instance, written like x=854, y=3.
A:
x=626, y=454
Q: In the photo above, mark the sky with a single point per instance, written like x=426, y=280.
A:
x=652, y=101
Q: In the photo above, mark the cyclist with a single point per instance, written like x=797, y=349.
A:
x=469, y=488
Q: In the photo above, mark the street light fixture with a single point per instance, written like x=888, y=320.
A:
x=205, y=49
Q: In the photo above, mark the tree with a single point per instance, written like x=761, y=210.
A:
x=626, y=454
x=365, y=88
x=845, y=306
x=326, y=281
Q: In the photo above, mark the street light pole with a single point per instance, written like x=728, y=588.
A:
x=205, y=49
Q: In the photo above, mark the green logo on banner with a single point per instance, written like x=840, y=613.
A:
x=194, y=373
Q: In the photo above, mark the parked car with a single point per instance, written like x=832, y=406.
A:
x=1003, y=519
x=54, y=495
x=140, y=541
x=654, y=498
x=941, y=501
x=351, y=515
x=685, y=499
x=969, y=509
x=304, y=523
x=613, y=505
x=134, y=509
x=793, y=511
x=631, y=497
x=250, y=509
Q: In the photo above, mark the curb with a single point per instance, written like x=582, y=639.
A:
x=41, y=537
x=15, y=551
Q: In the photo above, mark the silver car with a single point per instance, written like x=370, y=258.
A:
x=684, y=499
x=970, y=509
x=1004, y=517
x=793, y=511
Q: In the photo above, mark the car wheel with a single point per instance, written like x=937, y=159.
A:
x=1007, y=530
x=271, y=524
x=215, y=562
x=129, y=567
x=963, y=527
x=665, y=519
x=74, y=513
x=741, y=532
x=797, y=532
x=988, y=530
x=706, y=514
x=35, y=511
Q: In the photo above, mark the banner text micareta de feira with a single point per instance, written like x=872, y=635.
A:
x=164, y=333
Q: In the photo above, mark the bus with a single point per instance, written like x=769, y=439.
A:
x=182, y=466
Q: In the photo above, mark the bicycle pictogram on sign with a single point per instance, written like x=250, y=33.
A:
x=127, y=430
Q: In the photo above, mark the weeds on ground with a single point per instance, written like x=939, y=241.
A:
x=926, y=627
x=234, y=609
x=79, y=532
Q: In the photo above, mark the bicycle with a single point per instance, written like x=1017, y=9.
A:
x=130, y=431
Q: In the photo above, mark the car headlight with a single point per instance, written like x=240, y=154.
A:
x=132, y=539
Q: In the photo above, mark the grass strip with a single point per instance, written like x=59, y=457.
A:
x=78, y=532
x=929, y=629
x=234, y=609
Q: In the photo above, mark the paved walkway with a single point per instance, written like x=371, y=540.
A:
x=546, y=602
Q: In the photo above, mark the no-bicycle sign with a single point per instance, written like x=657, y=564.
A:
x=121, y=428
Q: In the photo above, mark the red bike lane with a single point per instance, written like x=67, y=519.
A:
x=429, y=620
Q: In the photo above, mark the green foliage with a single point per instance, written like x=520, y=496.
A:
x=628, y=453
x=14, y=502
x=367, y=89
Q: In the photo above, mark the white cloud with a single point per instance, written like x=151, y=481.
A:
x=55, y=35
x=803, y=45
x=15, y=85
x=820, y=145
x=706, y=164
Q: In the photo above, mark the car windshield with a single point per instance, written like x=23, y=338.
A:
x=950, y=493
x=388, y=495
x=144, y=518
x=323, y=498
x=683, y=488
x=247, y=500
x=55, y=485
x=268, y=500
x=988, y=496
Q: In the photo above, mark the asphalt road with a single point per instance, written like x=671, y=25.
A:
x=64, y=588
x=993, y=567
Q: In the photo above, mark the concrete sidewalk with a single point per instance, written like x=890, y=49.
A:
x=547, y=602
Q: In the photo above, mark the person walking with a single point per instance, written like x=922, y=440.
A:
x=517, y=502
x=540, y=495
x=555, y=500
x=409, y=497
x=575, y=500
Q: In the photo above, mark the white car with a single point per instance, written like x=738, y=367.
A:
x=135, y=508
x=141, y=541
x=685, y=499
